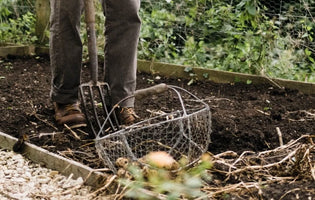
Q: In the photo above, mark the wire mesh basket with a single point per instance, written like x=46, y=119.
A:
x=180, y=125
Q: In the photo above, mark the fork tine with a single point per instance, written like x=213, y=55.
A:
x=104, y=106
x=94, y=106
x=96, y=116
x=84, y=104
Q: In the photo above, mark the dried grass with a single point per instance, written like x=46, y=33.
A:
x=247, y=174
x=251, y=171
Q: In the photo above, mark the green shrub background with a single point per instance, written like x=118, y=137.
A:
x=247, y=36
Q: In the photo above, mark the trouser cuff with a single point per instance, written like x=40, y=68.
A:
x=64, y=96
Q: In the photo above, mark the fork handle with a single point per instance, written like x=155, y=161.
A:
x=91, y=35
x=156, y=89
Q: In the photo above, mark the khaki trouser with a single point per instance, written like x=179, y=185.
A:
x=122, y=29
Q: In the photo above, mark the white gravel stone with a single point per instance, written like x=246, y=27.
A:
x=22, y=179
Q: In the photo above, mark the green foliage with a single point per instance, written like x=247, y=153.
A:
x=185, y=184
x=235, y=36
x=232, y=37
x=20, y=30
x=17, y=24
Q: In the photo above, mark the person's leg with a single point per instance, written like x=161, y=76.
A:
x=65, y=60
x=65, y=50
x=122, y=29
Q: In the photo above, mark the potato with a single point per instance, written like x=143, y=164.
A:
x=122, y=162
x=161, y=159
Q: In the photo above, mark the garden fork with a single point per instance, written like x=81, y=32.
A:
x=94, y=94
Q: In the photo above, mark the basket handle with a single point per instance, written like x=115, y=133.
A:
x=156, y=89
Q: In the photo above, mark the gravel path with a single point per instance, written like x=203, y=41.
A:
x=22, y=179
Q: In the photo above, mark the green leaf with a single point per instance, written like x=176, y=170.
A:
x=237, y=80
x=305, y=35
x=307, y=52
x=267, y=108
x=205, y=75
x=194, y=182
x=311, y=59
x=252, y=10
x=188, y=69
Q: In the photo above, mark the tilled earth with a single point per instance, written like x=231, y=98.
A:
x=245, y=117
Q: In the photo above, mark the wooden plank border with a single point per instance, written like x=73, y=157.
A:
x=16, y=50
x=55, y=162
x=202, y=74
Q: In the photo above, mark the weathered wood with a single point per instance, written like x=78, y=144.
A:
x=17, y=50
x=55, y=162
x=42, y=20
x=202, y=74
x=156, y=89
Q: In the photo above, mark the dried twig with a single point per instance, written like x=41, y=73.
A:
x=34, y=114
x=108, y=183
x=291, y=144
x=73, y=133
x=234, y=188
x=285, y=194
x=96, y=170
x=213, y=98
x=296, y=155
x=123, y=192
x=307, y=115
x=226, y=154
x=255, y=167
x=280, y=136
x=87, y=144
x=49, y=134
x=273, y=82
x=263, y=112
x=309, y=161
x=117, y=191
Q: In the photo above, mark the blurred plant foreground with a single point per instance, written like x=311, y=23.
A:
x=269, y=38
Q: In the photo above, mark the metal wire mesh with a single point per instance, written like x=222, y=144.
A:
x=287, y=12
x=201, y=33
x=293, y=18
x=182, y=129
x=207, y=34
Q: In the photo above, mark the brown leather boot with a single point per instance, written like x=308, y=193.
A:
x=126, y=115
x=69, y=114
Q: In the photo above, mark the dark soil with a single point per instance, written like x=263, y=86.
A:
x=244, y=116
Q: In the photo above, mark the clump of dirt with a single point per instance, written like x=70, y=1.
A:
x=245, y=117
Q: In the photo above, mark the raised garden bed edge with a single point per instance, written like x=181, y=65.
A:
x=178, y=71
x=55, y=162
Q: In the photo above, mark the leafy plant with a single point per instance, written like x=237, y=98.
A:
x=227, y=36
x=17, y=24
x=239, y=36
x=185, y=184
